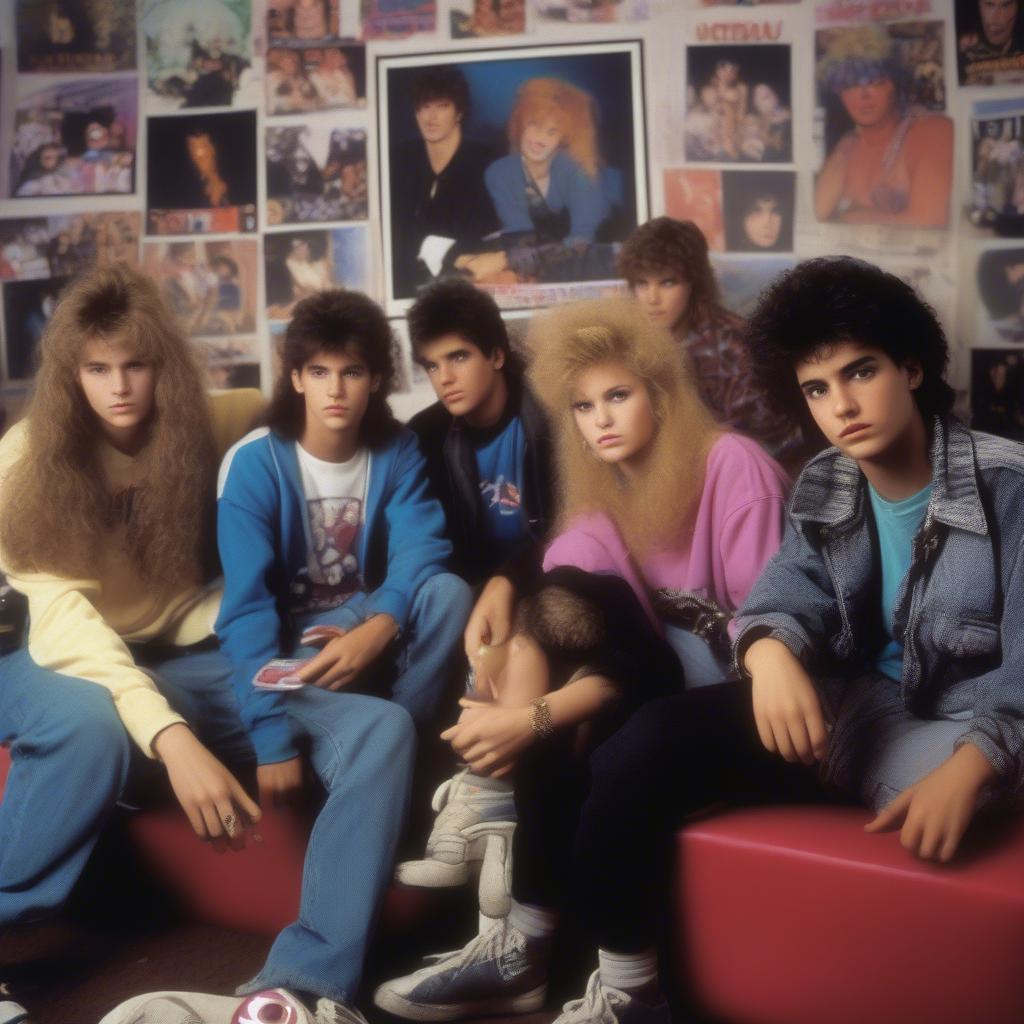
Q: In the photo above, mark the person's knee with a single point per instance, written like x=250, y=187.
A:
x=82, y=724
x=444, y=597
x=394, y=732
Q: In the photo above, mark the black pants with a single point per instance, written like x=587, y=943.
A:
x=596, y=832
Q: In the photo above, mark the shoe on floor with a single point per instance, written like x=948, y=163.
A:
x=470, y=808
x=603, y=1004
x=10, y=1011
x=493, y=973
x=272, y=1006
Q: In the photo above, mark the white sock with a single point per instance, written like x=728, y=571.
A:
x=628, y=971
x=533, y=921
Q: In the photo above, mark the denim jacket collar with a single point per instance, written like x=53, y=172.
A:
x=832, y=489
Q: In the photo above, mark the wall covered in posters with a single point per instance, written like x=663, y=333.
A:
x=248, y=152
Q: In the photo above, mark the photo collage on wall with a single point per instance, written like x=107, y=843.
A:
x=571, y=114
x=228, y=146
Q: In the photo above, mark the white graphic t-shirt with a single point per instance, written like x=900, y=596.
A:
x=336, y=509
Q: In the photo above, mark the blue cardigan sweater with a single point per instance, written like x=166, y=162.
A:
x=263, y=535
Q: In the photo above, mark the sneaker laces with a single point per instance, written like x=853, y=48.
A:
x=330, y=1012
x=597, y=1005
x=504, y=945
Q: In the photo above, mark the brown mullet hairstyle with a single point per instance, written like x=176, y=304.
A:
x=57, y=510
x=678, y=247
x=336, y=321
x=657, y=507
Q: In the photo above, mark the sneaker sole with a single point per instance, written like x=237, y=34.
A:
x=398, y=1005
x=431, y=874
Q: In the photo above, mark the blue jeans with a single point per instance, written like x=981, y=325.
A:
x=416, y=667
x=72, y=757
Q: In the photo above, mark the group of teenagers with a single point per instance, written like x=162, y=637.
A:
x=654, y=618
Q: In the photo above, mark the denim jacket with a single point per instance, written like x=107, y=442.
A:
x=959, y=612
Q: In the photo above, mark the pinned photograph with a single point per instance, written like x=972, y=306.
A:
x=28, y=306
x=210, y=286
x=198, y=53
x=394, y=19
x=997, y=392
x=24, y=249
x=315, y=173
x=738, y=107
x=472, y=19
x=888, y=148
x=302, y=263
x=202, y=173
x=591, y=11
x=743, y=279
x=759, y=209
x=990, y=42
x=311, y=21
x=304, y=79
x=230, y=362
x=75, y=36
x=1001, y=294
x=697, y=195
x=997, y=167
x=514, y=168
x=63, y=246
x=75, y=138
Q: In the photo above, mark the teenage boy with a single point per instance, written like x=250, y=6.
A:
x=487, y=447
x=324, y=519
x=882, y=640
x=441, y=207
x=891, y=611
x=665, y=263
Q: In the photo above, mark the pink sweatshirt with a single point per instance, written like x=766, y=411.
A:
x=737, y=529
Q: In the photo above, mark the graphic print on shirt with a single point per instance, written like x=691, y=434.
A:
x=332, y=573
x=501, y=495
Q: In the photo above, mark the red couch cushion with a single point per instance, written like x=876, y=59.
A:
x=797, y=916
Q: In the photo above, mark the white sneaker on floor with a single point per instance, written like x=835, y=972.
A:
x=603, y=1004
x=471, y=811
x=493, y=973
x=272, y=1006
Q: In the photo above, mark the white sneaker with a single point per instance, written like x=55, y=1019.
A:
x=471, y=809
x=493, y=973
x=272, y=1006
x=603, y=1004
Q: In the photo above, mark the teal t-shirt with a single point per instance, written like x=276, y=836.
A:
x=897, y=522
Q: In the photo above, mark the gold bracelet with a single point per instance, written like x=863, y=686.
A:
x=540, y=717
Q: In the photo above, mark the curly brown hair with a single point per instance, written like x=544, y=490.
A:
x=677, y=246
x=56, y=510
x=660, y=504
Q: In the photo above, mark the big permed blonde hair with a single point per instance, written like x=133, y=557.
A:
x=655, y=508
x=569, y=107
x=55, y=507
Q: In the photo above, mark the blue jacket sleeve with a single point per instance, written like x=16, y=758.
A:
x=581, y=194
x=504, y=180
x=248, y=625
x=792, y=600
x=417, y=546
x=997, y=726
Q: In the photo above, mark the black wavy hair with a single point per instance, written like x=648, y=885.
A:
x=457, y=307
x=336, y=321
x=830, y=300
x=443, y=82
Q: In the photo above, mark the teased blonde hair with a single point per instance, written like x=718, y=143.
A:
x=572, y=110
x=55, y=507
x=660, y=504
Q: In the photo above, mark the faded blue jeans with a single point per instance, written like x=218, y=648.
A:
x=71, y=759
